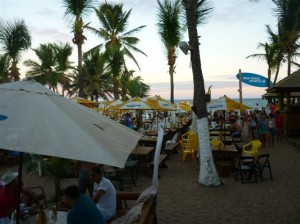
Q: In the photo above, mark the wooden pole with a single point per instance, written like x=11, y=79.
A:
x=240, y=86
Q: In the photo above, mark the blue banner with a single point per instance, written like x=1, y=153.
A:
x=254, y=79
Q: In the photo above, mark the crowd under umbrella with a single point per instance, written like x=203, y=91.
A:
x=224, y=103
x=139, y=105
x=164, y=104
x=40, y=121
x=112, y=106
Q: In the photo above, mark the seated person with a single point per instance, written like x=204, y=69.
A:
x=9, y=196
x=236, y=128
x=83, y=210
x=104, y=193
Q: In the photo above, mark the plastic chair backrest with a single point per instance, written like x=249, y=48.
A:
x=193, y=141
x=216, y=144
x=256, y=143
x=175, y=138
x=251, y=148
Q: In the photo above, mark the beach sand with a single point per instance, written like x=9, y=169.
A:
x=181, y=199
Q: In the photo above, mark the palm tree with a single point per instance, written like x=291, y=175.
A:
x=63, y=53
x=76, y=9
x=15, y=38
x=52, y=65
x=4, y=65
x=43, y=70
x=170, y=32
x=133, y=86
x=278, y=47
x=119, y=43
x=54, y=167
x=98, y=83
x=288, y=16
x=208, y=175
x=268, y=56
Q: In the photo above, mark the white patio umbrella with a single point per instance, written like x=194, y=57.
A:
x=42, y=122
x=36, y=120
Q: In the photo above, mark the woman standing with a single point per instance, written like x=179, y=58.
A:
x=252, y=126
x=272, y=131
x=263, y=129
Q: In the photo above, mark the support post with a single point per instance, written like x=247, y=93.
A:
x=240, y=86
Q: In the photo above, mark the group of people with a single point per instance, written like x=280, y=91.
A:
x=265, y=126
x=97, y=207
x=9, y=191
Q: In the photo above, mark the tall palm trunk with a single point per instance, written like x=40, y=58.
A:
x=269, y=77
x=208, y=175
x=80, y=73
x=277, y=72
x=14, y=71
x=289, y=63
x=171, y=72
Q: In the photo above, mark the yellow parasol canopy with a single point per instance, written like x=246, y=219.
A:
x=185, y=106
x=137, y=103
x=225, y=103
x=86, y=102
x=166, y=105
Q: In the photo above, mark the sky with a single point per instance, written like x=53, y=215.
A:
x=231, y=33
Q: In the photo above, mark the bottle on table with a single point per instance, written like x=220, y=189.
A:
x=41, y=216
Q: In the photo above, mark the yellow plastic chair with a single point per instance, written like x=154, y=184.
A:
x=189, y=145
x=251, y=148
x=216, y=144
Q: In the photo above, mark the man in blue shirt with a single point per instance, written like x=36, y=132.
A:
x=83, y=210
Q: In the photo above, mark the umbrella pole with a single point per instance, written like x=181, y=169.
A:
x=224, y=114
x=18, y=215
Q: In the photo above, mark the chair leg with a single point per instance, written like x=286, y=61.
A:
x=271, y=176
x=183, y=157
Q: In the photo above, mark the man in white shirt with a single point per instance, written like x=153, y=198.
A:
x=104, y=193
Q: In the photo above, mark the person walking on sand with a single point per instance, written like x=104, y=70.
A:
x=279, y=125
x=252, y=126
x=263, y=129
x=272, y=130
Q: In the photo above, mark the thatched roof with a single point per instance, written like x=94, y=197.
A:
x=274, y=95
x=290, y=83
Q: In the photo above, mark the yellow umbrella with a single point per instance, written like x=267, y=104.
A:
x=137, y=103
x=112, y=105
x=225, y=103
x=185, y=106
x=166, y=105
x=86, y=102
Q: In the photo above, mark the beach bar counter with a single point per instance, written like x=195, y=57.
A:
x=288, y=95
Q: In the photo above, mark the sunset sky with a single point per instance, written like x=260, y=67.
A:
x=232, y=32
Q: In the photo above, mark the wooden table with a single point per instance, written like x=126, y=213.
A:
x=148, y=141
x=227, y=140
x=228, y=152
x=142, y=151
x=144, y=155
x=218, y=133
